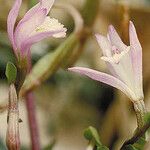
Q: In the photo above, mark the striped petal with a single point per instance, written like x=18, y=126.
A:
x=115, y=39
x=47, y=4
x=104, y=78
x=25, y=46
x=31, y=12
x=136, y=57
x=104, y=44
x=24, y=29
x=11, y=20
x=43, y=4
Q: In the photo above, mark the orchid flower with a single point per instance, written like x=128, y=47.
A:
x=33, y=27
x=124, y=63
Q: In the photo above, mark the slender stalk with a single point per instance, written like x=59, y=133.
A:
x=34, y=134
x=137, y=136
x=140, y=110
x=31, y=111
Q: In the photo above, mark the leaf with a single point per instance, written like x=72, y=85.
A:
x=11, y=72
x=102, y=148
x=147, y=121
x=129, y=147
x=50, y=146
x=140, y=144
x=147, y=117
x=91, y=134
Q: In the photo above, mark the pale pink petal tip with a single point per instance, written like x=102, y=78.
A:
x=77, y=69
x=71, y=69
x=130, y=22
x=111, y=28
x=131, y=27
x=134, y=41
x=97, y=35
x=11, y=20
x=104, y=78
x=113, y=34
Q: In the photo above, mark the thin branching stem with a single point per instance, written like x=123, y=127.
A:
x=34, y=133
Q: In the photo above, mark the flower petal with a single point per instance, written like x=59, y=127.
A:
x=24, y=29
x=47, y=4
x=115, y=39
x=104, y=78
x=11, y=20
x=123, y=71
x=136, y=57
x=43, y=4
x=31, y=12
x=25, y=46
x=104, y=44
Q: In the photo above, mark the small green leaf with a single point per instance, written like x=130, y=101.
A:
x=102, y=148
x=11, y=72
x=140, y=144
x=50, y=146
x=129, y=147
x=147, y=117
x=91, y=134
x=147, y=121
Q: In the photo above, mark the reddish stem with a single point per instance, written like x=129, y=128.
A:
x=31, y=110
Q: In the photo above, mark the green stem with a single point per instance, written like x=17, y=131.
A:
x=139, y=108
x=33, y=125
x=137, y=135
x=90, y=11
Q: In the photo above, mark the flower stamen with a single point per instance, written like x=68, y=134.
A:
x=116, y=56
x=50, y=24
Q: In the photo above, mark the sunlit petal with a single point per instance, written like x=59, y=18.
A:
x=115, y=39
x=47, y=4
x=104, y=44
x=25, y=46
x=104, y=78
x=24, y=29
x=136, y=57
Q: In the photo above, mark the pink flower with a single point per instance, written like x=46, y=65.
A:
x=33, y=27
x=124, y=63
